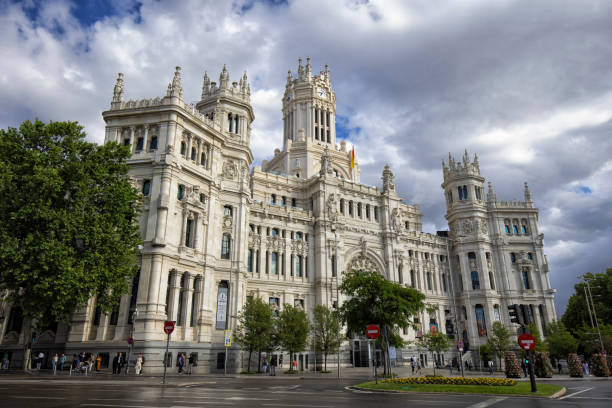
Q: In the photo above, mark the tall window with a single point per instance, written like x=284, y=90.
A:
x=342, y=206
x=181, y=317
x=359, y=210
x=273, y=199
x=194, y=303
x=139, y=144
x=512, y=257
x=227, y=210
x=189, y=234
x=333, y=265
x=496, y=313
x=274, y=264
x=298, y=266
x=134, y=296
x=428, y=280
x=525, y=276
x=293, y=202
x=153, y=144
x=114, y=317
x=475, y=280
x=480, y=321
x=180, y=193
x=203, y=159
x=524, y=229
x=350, y=208
x=507, y=229
x=515, y=229
x=183, y=148
x=250, y=261
x=491, y=281
x=146, y=188
x=193, y=153
x=444, y=288
x=412, y=280
x=15, y=321
x=478, y=193
x=225, y=246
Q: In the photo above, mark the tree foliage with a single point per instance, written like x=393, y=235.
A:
x=576, y=314
x=499, y=340
x=435, y=343
x=372, y=299
x=540, y=345
x=68, y=220
x=325, y=331
x=255, y=327
x=292, y=328
x=559, y=340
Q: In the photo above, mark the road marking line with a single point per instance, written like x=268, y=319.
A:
x=576, y=393
x=29, y=397
x=116, y=399
x=295, y=405
x=112, y=405
x=593, y=398
x=488, y=402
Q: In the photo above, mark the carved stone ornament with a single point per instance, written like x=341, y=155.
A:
x=254, y=240
x=276, y=243
x=484, y=227
x=299, y=246
x=396, y=216
x=332, y=207
x=363, y=263
x=466, y=226
x=230, y=170
x=364, y=246
x=387, y=178
x=227, y=222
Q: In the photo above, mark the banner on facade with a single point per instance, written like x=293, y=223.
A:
x=221, y=307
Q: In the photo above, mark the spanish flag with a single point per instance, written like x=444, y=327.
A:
x=352, y=159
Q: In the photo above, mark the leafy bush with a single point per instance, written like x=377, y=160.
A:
x=543, y=368
x=513, y=370
x=452, y=381
x=599, y=367
x=574, y=366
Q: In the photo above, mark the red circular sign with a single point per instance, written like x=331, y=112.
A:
x=372, y=331
x=168, y=327
x=526, y=341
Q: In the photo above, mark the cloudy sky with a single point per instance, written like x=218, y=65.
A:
x=526, y=85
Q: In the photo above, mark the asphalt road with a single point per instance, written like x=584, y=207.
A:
x=257, y=392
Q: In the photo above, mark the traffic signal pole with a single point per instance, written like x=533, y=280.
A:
x=530, y=357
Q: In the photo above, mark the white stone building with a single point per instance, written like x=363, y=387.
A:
x=285, y=231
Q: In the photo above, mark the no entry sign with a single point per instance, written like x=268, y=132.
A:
x=372, y=331
x=526, y=341
x=168, y=327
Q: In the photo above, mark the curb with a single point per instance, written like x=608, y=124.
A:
x=559, y=393
x=369, y=390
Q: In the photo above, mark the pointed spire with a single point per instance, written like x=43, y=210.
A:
x=244, y=82
x=224, y=78
x=289, y=76
x=491, y=196
x=475, y=163
x=118, y=90
x=527, y=194
x=176, y=86
x=205, y=85
x=466, y=159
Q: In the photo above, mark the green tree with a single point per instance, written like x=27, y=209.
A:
x=255, y=327
x=576, y=314
x=540, y=345
x=372, y=299
x=485, y=352
x=559, y=340
x=499, y=341
x=588, y=339
x=68, y=221
x=435, y=343
x=325, y=331
x=292, y=328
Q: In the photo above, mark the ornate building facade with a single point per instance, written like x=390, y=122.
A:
x=216, y=233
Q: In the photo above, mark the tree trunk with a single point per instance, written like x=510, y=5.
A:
x=249, y=364
x=259, y=361
x=433, y=360
x=325, y=362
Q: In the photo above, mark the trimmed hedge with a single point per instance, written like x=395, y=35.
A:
x=452, y=381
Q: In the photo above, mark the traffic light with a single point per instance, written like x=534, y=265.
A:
x=526, y=361
x=515, y=315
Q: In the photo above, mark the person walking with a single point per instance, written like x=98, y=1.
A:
x=585, y=368
x=62, y=361
x=273, y=365
x=280, y=361
x=190, y=363
x=115, y=363
x=412, y=364
x=139, y=361
x=181, y=362
x=491, y=367
x=265, y=365
x=98, y=362
x=39, y=360
x=294, y=364
x=418, y=367
x=5, y=361
x=54, y=363
x=524, y=367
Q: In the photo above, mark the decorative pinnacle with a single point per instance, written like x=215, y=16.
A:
x=118, y=90
x=527, y=193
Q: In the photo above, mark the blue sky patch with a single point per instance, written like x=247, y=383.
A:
x=583, y=190
x=343, y=130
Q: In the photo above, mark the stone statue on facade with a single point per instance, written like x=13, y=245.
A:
x=387, y=178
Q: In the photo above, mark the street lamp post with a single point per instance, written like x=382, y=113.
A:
x=450, y=276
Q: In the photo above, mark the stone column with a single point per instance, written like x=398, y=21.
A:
x=187, y=299
x=196, y=231
x=124, y=310
x=198, y=288
x=145, y=139
x=162, y=209
x=132, y=144
x=189, y=145
x=184, y=229
x=173, y=295
x=102, y=327
x=538, y=321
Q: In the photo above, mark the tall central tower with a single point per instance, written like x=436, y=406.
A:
x=309, y=127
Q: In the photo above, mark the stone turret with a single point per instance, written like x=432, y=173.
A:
x=455, y=170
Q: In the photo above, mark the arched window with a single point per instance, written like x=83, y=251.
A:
x=465, y=193
x=273, y=199
x=367, y=209
x=230, y=124
x=524, y=229
x=146, y=188
x=475, y=280
x=183, y=148
x=203, y=159
x=529, y=256
x=359, y=210
x=460, y=191
x=139, y=144
x=507, y=229
x=193, y=153
x=496, y=314
x=342, y=206
x=350, y=208
x=515, y=229
x=274, y=232
x=293, y=202
x=481, y=323
x=491, y=281
x=225, y=246
x=189, y=233
x=153, y=144
x=526, y=281
x=202, y=198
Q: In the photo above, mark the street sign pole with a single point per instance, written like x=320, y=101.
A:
x=528, y=343
x=166, y=358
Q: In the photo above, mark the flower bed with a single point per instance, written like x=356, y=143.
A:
x=452, y=381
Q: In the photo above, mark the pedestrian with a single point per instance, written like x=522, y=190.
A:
x=98, y=362
x=139, y=361
x=491, y=368
x=265, y=365
x=524, y=367
x=115, y=363
x=273, y=365
x=5, y=361
x=90, y=361
x=75, y=362
x=62, y=361
x=294, y=364
x=412, y=364
x=450, y=367
x=467, y=366
x=39, y=360
x=280, y=361
x=418, y=364
x=190, y=363
x=585, y=368
x=181, y=362
x=54, y=363
x=559, y=367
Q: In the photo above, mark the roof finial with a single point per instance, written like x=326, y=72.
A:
x=205, y=85
x=118, y=90
x=527, y=194
x=176, y=86
x=491, y=197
